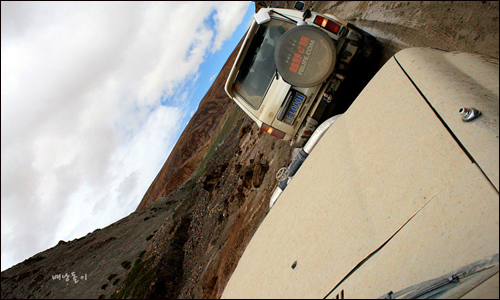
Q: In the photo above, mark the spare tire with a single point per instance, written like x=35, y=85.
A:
x=305, y=56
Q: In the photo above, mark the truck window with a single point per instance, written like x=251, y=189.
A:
x=258, y=69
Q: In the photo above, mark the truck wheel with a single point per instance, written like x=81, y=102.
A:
x=305, y=56
x=368, y=43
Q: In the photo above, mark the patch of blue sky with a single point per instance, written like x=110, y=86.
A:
x=213, y=63
x=181, y=92
x=210, y=21
x=190, y=92
x=213, y=77
x=210, y=68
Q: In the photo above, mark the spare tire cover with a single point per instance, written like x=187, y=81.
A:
x=305, y=56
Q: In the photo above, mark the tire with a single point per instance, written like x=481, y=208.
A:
x=368, y=43
x=305, y=56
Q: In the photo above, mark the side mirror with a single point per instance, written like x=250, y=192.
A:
x=262, y=16
x=299, y=5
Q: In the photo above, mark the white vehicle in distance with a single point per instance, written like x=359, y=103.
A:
x=290, y=67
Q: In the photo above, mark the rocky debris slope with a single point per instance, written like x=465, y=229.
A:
x=184, y=245
x=95, y=263
x=196, y=251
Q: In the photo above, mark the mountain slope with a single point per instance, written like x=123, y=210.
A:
x=190, y=229
x=193, y=144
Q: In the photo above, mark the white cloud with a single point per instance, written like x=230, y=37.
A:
x=213, y=77
x=227, y=18
x=93, y=98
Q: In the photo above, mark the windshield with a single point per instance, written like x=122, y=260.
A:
x=258, y=69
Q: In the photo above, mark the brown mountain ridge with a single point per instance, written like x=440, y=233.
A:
x=193, y=144
x=190, y=229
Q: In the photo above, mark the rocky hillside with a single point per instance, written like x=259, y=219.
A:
x=184, y=245
x=190, y=229
x=193, y=144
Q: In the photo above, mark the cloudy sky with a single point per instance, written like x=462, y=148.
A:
x=93, y=98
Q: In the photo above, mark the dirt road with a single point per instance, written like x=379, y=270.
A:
x=470, y=26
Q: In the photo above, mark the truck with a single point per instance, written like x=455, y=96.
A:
x=290, y=68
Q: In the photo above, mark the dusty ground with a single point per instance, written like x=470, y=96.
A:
x=470, y=26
